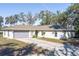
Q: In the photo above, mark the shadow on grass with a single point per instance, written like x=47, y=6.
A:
x=9, y=51
x=6, y=51
x=30, y=49
x=8, y=44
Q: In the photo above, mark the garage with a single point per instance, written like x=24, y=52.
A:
x=22, y=34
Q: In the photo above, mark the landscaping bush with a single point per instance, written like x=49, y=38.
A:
x=74, y=42
x=34, y=36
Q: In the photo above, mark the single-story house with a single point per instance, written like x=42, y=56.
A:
x=28, y=31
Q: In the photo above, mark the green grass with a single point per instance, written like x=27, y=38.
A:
x=16, y=48
x=11, y=43
x=34, y=36
x=74, y=42
x=52, y=40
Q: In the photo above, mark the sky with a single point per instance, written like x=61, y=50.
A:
x=8, y=9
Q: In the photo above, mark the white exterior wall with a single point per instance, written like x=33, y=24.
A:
x=31, y=34
x=59, y=35
x=5, y=34
x=50, y=34
x=70, y=34
x=8, y=34
x=67, y=34
x=40, y=34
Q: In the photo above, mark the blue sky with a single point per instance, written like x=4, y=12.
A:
x=11, y=9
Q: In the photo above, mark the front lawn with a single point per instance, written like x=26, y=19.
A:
x=12, y=47
x=11, y=43
x=74, y=41
x=52, y=40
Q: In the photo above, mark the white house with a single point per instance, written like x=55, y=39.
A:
x=28, y=31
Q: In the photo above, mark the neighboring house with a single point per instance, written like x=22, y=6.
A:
x=28, y=31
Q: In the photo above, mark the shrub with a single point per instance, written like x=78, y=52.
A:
x=74, y=42
x=34, y=36
x=43, y=33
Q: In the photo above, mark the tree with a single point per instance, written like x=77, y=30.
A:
x=73, y=7
x=60, y=18
x=21, y=17
x=76, y=24
x=46, y=17
x=49, y=17
x=30, y=18
x=15, y=18
x=10, y=20
x=73, y=12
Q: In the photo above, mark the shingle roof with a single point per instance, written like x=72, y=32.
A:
x=31, y=28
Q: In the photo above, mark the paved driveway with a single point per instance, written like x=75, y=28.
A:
x=41, y=43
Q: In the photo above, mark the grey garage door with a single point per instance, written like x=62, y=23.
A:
x=21, y=34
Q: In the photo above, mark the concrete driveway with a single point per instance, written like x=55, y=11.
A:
x=42, y=43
